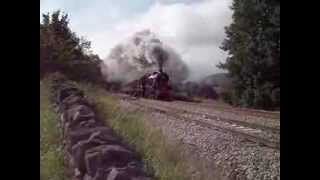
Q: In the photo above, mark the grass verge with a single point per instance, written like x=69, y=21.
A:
x=51, y=154
x=161, y=159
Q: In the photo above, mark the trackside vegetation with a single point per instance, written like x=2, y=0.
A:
x=51, y=154
x=162, y=160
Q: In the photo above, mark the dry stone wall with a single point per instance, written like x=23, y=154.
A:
x=92, y=150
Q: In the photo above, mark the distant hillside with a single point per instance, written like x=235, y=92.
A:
x=209, y=87
x=219, y=81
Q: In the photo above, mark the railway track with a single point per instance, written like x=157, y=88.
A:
x=240, y=119
x=257, y=134
x=236, y=110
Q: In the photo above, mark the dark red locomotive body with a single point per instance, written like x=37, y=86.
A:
x=154, y=85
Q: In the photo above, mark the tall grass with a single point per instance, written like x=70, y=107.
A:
x=164, y=161
x=51, y=155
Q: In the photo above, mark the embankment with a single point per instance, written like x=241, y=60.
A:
x=92, y=151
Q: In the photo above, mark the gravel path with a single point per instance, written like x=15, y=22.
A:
x=229, y=145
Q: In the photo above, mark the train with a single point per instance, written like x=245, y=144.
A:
x=155, y=85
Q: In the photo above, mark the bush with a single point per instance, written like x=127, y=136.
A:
x=226, y=97
x=61, y=50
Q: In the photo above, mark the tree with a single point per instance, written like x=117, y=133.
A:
x=253, y=44
x=61, y=50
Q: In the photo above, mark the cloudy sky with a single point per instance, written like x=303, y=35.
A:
x=194, y=28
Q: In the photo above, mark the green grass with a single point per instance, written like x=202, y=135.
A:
x=164, y=161
x=51, y=155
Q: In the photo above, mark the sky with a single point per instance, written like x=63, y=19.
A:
x=193, y=28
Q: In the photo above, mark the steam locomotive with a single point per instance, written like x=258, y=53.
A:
x=155, y=85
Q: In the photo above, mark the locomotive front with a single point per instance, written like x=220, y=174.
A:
x=162, y=87
x=156, y=85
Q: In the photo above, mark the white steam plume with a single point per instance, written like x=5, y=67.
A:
x=143, y=53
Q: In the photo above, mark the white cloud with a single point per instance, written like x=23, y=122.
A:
x=195, y=31
x=194, y=28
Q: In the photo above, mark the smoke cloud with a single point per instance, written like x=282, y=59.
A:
x=195, y=31
x=142, y=53
x=193, y=28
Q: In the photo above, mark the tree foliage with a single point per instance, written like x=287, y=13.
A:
x=253, y=45
x=61, y=50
